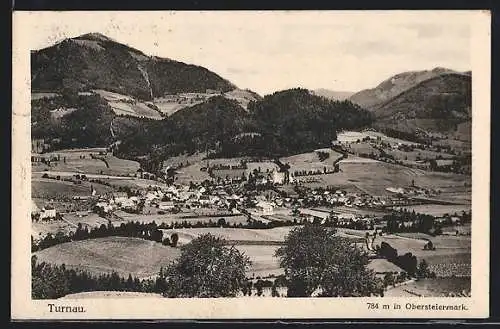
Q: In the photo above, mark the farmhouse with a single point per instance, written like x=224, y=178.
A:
x=278, y=177
x=166, y=205
x=48, y=212
x=314, y=214
x=266, y=207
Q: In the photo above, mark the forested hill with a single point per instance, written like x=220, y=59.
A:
x=295, y=120
x=286, y=122
x=93, y=61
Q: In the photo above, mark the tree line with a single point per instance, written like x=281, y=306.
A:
x=147, y=231
x=50, y=281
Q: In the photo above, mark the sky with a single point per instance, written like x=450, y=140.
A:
x=271, y=51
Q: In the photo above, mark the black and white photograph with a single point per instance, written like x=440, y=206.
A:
x=253, y=156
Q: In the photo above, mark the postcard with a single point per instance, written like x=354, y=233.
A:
x=250, y=165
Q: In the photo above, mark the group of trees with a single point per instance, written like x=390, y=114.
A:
x=408, y=262
x=49, y=281
x=221, y=222
x=324, y=171
x=405, y=221
x=315, y=259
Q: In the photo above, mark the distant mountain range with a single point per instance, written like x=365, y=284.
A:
x=91, y=90
x=437, y=100
x=333, y=95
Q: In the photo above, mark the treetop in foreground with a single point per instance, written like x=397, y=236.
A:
x=317, y=261
x=207, y=267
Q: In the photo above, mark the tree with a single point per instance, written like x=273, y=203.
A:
x=206, y=268
x=221, y=222
x=174, y=238
x=315, y=258
x=389, y=279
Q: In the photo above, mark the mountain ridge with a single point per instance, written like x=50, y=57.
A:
x=94, y=61
x=394, y=85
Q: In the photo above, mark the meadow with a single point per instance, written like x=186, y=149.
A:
x=44, y=188
x=439, y=287
x=311, y=160
x=141, y=258
x=373, y=177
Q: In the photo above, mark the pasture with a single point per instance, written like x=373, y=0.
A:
x=44, y=188
x=126, y=105
x=373, y=177
x=451, y=257
x=111, y=294
x=263, y=261
x=437, y=210
x=86, y=219
x=81, y=161
x=439, y=287
x=40, y=229
x=353, y=136
x=138, y=257
x=310, y=161
x=169, y=104
x=191, y=173
x=241, y=235
x=40, y=95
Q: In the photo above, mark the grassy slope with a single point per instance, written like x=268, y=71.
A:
x=138, y=257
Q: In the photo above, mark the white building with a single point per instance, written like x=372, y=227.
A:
x=278, y=177
x=48, y=212
x=265, y=207
x=166, y=205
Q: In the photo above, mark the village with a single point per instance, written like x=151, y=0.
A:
x=253, y=203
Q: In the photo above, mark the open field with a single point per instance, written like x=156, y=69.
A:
x=72, y=160
x=353, y=136
x=44, y=188
x=86, y=219
x=41, y=229
x=229, y=173
x=183, y=159
x=451, y=257
x=311, y=161
x=234, y=234
x=438, y=210
x=374, y=177
x=263, y=261
x=243, y=97
x=111, y=294
x=362, y=148
x=126, y=105
x=439, y=287
x=191, y=173
x=169, y=104
x=138, y=257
